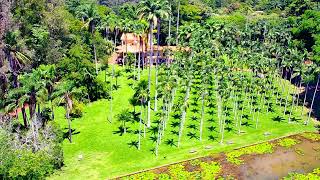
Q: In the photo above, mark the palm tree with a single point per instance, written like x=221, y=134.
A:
x=140, y=29
x=124, y=117
x=64, y=92
x=178, y=19
x=151, y=11
x=142, y=94
x=162, y=14
x=313, y=97
x=16, y=60
x=126, y=28
x=89, y=15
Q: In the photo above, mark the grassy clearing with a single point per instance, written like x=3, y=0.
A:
x=108, y=153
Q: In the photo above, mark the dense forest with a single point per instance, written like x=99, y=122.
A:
x=234, y=59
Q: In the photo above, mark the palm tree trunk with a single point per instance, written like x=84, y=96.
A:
x=156, y=74
x=140, y=123
x=125, y=58
x=305, y=97
x=95, y=58
x=139, y=59
x=169, y=34
x=111, y=98
x=178, y=19
x=314, y=95
x=184, y=112
x=202, y=116
x=286, y=104
x=69, y=125
x=223, y=126
x=24, y=116
x=149, y=75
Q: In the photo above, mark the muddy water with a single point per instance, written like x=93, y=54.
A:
x=281, y=162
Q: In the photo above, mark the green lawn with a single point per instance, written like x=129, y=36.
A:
x=106, y=154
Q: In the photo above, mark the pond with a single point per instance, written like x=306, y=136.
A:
x=266, y=161
x=300, y=158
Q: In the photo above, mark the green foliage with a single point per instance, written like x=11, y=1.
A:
x=177, y=171
x=27, y=164
x=288, y=142
x=77, y=109
x=20, y=161
x=142, y=176
x=263, y=148
x=209, y=170
x=311, y=136
x=314, y=175
x=195, y=162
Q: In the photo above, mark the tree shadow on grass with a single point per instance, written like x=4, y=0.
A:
x=136, y=116
x=228, y=121
x=211, y=120
x=175, y=124
x=194, y=110
x=174, y=132
x=153, y=130
x=278, y=119
x=194, y=92
x=245, y=116
x=211, y=105
x=295, y=119
x=247, y=124
x=287, y=112
x=212, y=128
x=212, y=138
x=176, y=116
x=133, y=144
x=116, y=87
x=194, y=103
x=120, y=131
x=192, y=135
x=170, y=142
x=153, y=139
x=192, y=126
x=211, y=111
x=194, y=118
x=73, y=132
x=228, y=128
x=270, y=108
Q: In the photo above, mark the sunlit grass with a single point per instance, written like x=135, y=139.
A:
x=106, y=154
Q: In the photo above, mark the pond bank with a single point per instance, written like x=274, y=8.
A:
x=272, y=160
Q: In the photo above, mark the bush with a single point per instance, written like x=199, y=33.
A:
x=23, y=160
x=77, y=110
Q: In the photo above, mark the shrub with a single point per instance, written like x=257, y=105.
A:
x=77, y=109
x=288, y=142
x=23, y=160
